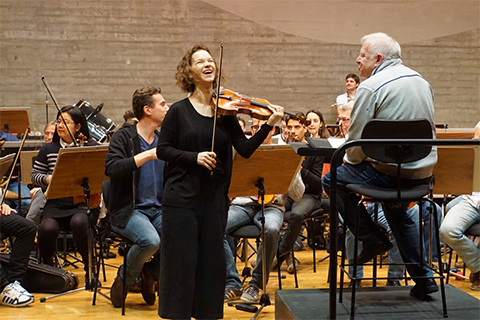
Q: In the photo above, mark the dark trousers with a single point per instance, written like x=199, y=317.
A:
x=50, y=229
x=24, y=232
x=192, y=264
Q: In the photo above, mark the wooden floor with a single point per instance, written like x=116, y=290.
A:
x=79, y=304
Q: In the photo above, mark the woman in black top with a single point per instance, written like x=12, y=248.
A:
x=195, y=201
x=61, y=214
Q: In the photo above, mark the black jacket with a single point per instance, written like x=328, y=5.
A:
x=121, y=168
x=311, y=173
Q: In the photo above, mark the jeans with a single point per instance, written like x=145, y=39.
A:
x=233, y=278
x=458, y=219
x=239, y=216
x=299, y=211
x=403, y=226
x=24, y=232
x=25, y=191
x=143, y=229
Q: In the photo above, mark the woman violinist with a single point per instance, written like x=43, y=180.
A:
x=195, y=200
x=61, y=214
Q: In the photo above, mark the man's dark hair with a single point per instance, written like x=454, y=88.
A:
x=143, y=97
x=353, y=76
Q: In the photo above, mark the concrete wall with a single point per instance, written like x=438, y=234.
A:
x=102, y=50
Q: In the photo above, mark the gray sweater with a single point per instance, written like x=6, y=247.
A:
x=393, y=92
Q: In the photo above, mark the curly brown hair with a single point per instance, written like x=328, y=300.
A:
x=183, y=78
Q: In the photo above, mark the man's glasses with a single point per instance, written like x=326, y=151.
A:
x=343, y=119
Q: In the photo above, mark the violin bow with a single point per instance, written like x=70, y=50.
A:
x=218, y=96
x=45, y=83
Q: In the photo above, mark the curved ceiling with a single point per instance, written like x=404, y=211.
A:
x=346, y=21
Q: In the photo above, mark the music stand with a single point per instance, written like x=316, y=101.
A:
x=5, y=164
x=271, y=168
x=14, y=120
x=79, y=171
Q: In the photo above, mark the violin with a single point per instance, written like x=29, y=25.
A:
x=232, y=103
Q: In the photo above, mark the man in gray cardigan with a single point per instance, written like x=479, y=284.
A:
x=396, y=92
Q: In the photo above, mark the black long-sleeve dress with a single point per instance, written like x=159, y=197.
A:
x=195, y=206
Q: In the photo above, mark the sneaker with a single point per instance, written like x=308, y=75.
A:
x=475, y=280
x=250, y=294
x=12, y=297
x=21, y=289
x=290, y=268
x=232, y=294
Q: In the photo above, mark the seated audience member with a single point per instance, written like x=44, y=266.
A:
x=61, y=214
x=311, y=174
x=464, y=213
x=12, y=294
x=315, y=124
x=246, y=211
x=136, y=191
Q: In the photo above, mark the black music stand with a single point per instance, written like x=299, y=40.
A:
x=79, y=172
x=271, y=168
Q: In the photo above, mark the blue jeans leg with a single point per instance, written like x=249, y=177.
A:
x=143, y=229
x=233, y=279
x=273, y=222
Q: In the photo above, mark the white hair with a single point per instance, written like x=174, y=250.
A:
x=347, y=106
x=382, y=43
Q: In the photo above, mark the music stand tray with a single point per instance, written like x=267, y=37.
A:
x=276, y=164
x=5, y=163
x=73, y=166
x=16, y=119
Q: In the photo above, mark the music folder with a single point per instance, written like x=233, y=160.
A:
x=317, y=146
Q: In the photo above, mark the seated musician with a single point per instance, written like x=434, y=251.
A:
x=462, y=213
x=311, y=174
x=137, y=189
x=317, y=127
x=245, y=211
x=12, y=294
x=61, y=214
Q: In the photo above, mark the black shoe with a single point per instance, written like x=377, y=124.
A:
x=148, y=287
x=423, y=288
x=358, y=284
x=116, y=291
x=370, y=250
x=393, y=283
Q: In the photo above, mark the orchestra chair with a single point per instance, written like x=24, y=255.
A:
x=473, y=231
x=397, y=154
x=123, y=243
x=241, y=235
x=317, y=225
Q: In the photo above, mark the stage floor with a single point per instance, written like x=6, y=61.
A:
x=375, y=303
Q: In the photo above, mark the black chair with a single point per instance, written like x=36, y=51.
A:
x=242, y=235
x=396, y=154
x=124, y=243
